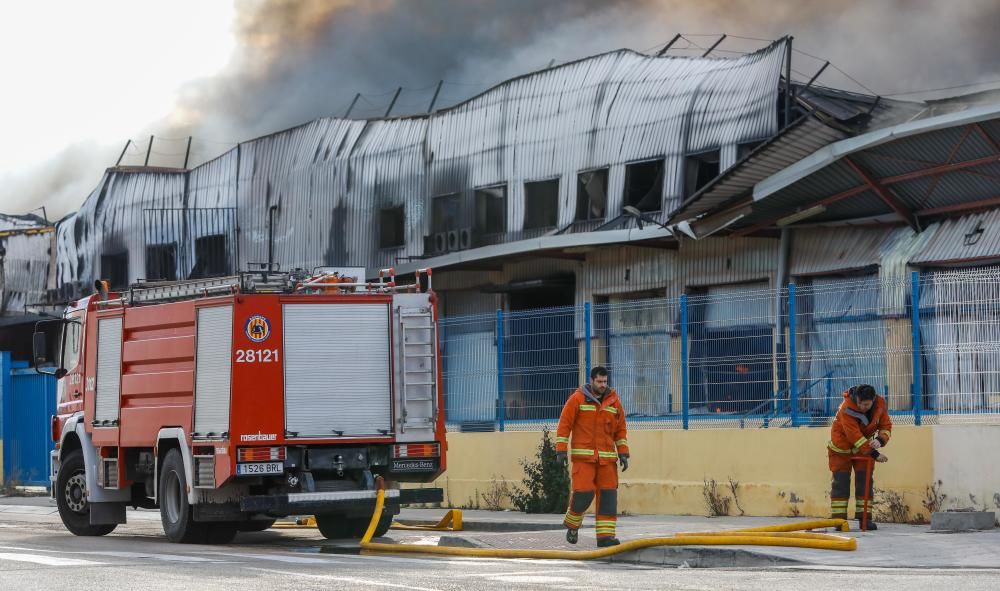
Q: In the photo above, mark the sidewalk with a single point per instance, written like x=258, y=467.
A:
x=892, y=546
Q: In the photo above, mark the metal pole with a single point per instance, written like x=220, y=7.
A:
x=684, y=361
x=587, y=323
x=351, y=108
x=793, y=370
x=788, y=82
x=435, y=97
x=122, y=155
x=829, y=395
x=813, y=79
x=714, y=45
x=148, y=150
x=392, y=103
x=187, y=153
x=501, y=403
x=915, y=327
x=667, y=47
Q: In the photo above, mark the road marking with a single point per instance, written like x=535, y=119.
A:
x=275, y=558
x=354, y=580
x=46, y=560
x=117, y=554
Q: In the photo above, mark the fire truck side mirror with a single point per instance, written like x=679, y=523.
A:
x=39, y=348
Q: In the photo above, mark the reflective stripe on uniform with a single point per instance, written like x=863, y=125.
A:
x=610, y=409
x=621, y=442
x=859, y=443
x=582, y=452
x=562, y=439
x=837, y=449
x=587, y=407
x=607, y=454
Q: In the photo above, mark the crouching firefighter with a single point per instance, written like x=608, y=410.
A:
x=862, y=428
x=592, y=431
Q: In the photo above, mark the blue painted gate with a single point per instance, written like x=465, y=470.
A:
x=27, y=403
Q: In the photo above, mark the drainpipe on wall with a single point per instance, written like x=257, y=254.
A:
x=270, y=237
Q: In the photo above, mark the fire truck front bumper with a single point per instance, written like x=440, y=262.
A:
x=353, y=502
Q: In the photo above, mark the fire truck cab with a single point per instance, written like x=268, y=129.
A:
x=230, y=402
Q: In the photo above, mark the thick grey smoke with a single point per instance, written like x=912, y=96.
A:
x=298, y=61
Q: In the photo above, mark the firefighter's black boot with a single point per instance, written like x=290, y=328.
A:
x=871, y=525
x=606, y=542
x=572, y=535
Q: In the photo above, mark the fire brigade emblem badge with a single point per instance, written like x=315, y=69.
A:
x=258, y=328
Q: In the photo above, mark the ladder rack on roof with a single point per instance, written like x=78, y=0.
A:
x=142, y=292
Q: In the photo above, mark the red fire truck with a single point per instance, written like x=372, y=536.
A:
x=229, y=402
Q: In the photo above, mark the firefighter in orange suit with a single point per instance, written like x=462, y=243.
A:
x=592, y=432
x=862, y=428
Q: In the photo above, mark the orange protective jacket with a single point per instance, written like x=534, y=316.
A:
x=852, y=429
x=597, y=427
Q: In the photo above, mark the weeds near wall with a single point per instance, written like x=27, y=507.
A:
x=934, y=499
x=716, y=501
x=546, y=482
x=888, y=506
x=793, y=503
x=734, y=487
x=498, y=495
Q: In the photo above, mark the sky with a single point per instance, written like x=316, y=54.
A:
x=83, y=78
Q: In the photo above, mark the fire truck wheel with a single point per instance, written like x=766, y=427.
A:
x=256, y=525
x=175, y=511
x=71, y=498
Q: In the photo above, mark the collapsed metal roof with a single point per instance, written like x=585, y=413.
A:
x=329, y=179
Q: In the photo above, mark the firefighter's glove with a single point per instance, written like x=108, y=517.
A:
x=561, y=458
x=882, y=458
x=875, y=443
x=624, y=461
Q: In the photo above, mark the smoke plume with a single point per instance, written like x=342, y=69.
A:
x=297, y=61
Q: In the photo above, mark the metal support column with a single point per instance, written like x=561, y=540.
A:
x=793, y=369
x=501, y=406
x=915, y=327
x=587, y=324
x=684, y=361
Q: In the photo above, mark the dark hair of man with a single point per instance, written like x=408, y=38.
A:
x=599, y=370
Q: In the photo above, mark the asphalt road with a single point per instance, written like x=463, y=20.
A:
x=36, y=553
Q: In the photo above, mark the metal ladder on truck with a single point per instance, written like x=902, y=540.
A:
x=418, y=391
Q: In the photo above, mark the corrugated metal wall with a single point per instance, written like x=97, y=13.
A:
x=27, y=400
x=25, y=270
x=330, y=177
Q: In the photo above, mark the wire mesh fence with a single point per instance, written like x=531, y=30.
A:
x=740, y=356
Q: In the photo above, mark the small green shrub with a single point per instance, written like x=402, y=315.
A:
x=546, y=481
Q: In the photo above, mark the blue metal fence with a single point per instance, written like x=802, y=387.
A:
x=27, y=401
x=740, y=356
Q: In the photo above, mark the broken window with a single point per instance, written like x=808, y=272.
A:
x=114, y=269
x=161, y=262
x=446, y=213
x=491, y=210
x=391, y=233
x=211, y=257
x=644, y=185
x=541, y=204
x=699, y=170
x=591, y=195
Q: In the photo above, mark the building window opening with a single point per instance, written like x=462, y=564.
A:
x=591, y=195
x=541, y=204
x=491, y=210
x=114, y=269
x=161, y=262
x=699, y=170
x=391, y=232
x=644, y=185
x=446, y=212
x=210, y=257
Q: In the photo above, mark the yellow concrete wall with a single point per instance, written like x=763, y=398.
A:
x=669, y=468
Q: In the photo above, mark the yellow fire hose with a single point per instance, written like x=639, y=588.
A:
x=789, y=535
